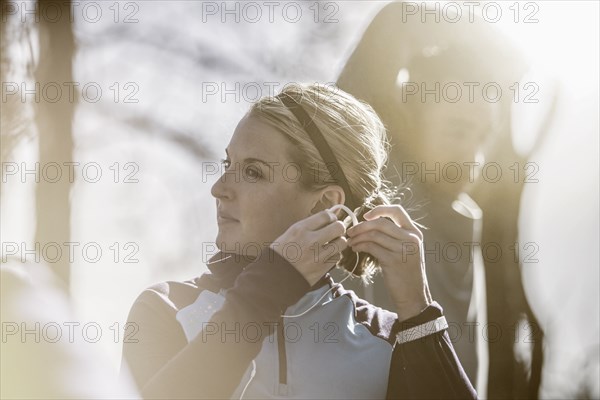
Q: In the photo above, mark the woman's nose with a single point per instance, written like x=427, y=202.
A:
x=222, y=187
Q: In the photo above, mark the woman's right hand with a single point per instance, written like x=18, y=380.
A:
x=313, y=245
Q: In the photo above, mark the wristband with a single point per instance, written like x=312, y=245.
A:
x=419, y=331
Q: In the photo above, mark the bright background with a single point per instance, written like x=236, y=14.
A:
x=169, y=214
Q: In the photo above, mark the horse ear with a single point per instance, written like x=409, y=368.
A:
x=375, y=60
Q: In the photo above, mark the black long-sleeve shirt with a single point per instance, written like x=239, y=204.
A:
x=230, y=340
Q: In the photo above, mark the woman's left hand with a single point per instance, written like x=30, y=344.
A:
x=397, y=244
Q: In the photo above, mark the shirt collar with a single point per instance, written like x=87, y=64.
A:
x=223, y=263
x=227, y=266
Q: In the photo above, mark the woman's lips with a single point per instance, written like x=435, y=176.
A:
x=221, y=219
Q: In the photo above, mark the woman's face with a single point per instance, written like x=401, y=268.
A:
x=259, y=194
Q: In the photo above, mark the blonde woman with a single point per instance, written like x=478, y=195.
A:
x=268, y=321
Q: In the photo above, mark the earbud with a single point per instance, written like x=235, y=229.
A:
x=347, y=210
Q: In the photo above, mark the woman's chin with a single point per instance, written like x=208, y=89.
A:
x=225, y=243
x=229, y=244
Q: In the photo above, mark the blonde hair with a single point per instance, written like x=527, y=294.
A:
x=356, y=136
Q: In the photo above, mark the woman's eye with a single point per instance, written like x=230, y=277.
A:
x=252, y=172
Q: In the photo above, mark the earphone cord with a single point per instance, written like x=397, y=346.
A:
x=352, y=214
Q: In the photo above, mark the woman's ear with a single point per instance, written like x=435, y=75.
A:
x=328, y=197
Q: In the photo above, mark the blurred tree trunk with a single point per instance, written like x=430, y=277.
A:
x=54, y=125
x=14, y=125
x=7, y=138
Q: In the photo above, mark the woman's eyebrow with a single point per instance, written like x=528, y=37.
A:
x=252, y=159
x=257, y=160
